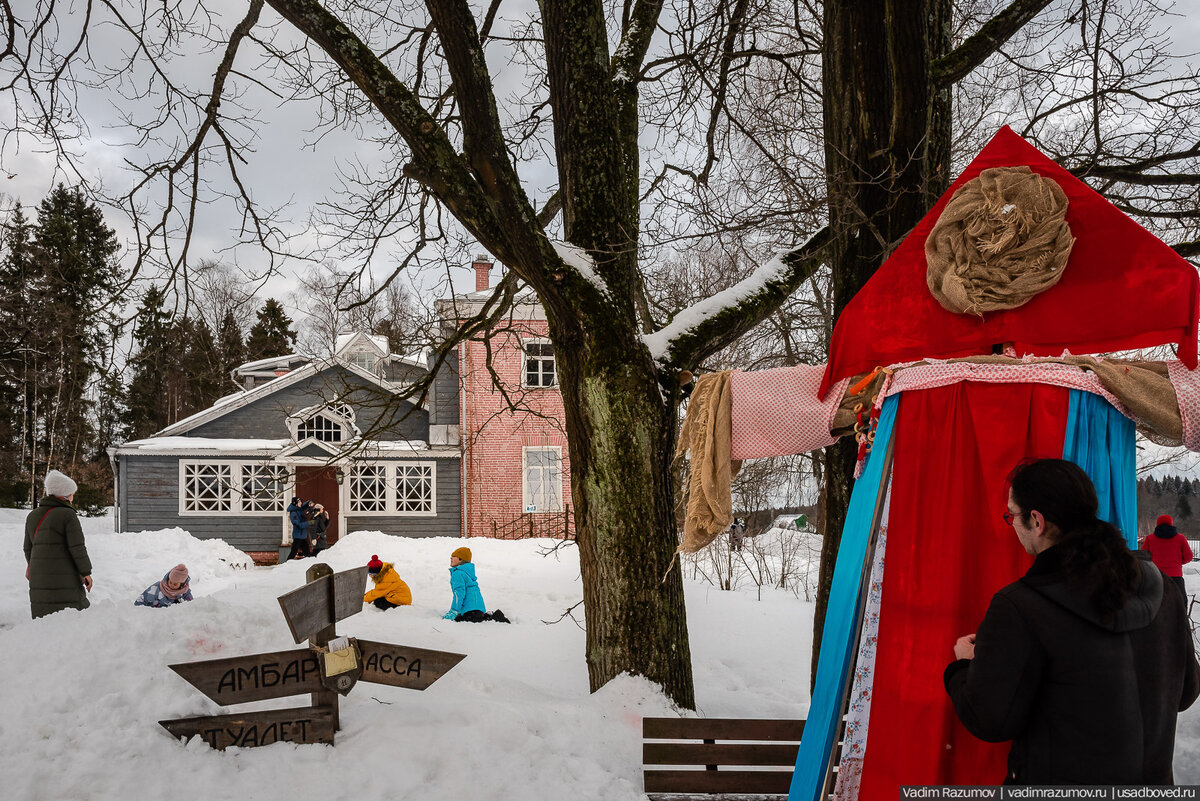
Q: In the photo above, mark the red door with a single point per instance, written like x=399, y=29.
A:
x=319, y=485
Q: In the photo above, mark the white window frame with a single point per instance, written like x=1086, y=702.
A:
x=340, y=414
x=392, y=474
x=397, y=470
x=238, y=473
x=525, y=358
x=526, y=500
x=325, y=424
x=353, y=357
x=352, y=479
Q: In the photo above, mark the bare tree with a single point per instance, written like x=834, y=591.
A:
x=583, y=144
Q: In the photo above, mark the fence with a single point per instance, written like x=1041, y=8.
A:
x=555, y=525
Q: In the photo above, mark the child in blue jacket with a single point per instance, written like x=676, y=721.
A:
x=467, y=603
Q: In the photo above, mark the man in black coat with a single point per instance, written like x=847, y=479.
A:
x=60, y=571
x=1085, y=662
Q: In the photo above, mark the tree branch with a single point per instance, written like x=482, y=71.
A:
x=1189, y=250
x=713, y=323
x=955, y=65
x=635, y=41
x=435, y=164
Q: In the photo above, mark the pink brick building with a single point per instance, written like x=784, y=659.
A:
x=515, y=464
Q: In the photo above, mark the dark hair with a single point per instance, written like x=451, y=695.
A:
x=1094, y=553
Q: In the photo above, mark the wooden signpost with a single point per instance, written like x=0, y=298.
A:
x=312, y=612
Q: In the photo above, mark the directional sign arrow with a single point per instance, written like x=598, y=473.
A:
x=403, y=666
x=254, y=677
x=303, y=725
x=310, y=608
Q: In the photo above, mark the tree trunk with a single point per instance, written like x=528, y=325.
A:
x=887, y=146
x=621, y=435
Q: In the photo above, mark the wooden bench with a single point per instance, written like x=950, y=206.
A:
x=701, y=767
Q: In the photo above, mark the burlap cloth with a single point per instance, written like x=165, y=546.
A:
x=1001, y=240
x=1143, y=388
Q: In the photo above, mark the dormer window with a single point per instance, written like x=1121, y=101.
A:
x=325, y=423
x=320, y=428
x=367, y=361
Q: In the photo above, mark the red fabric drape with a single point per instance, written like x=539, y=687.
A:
x=948, y=552
x=1123, y=288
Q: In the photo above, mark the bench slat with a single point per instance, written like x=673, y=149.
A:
x=718, y=781
x=721, y=797
x=704, y=754
x=721, y=729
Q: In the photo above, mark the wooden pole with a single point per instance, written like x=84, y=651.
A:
x=324, y=698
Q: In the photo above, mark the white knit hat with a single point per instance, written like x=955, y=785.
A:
x=60, y=484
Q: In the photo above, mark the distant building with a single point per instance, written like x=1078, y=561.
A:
x=516, y=466
x=337, y=431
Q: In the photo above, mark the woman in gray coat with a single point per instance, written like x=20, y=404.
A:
x=60, y=572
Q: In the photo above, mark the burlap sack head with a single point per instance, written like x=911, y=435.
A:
x=1001, y=239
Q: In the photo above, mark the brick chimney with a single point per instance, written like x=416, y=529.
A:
x=483, y=266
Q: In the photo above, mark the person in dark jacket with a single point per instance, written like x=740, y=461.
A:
x=318, y=525
x=1086, y=661
x=299, y=523
x=60, y=571
x=1170, y=550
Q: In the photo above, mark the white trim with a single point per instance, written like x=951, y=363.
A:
x=525, y=499
x=525, y=362
x=390, y=488
x=236, y=484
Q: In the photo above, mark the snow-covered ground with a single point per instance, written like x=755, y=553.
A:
x=83, y=691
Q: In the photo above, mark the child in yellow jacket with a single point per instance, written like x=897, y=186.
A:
x=390, y=590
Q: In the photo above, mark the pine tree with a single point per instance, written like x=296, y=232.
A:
x=112, y=413
x=19, y=285
x=152, y=362
x=272, y=335
x=201, y=367
x=60, y=278
x=231, y=347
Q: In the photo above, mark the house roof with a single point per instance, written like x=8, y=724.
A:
x=377, y=343
x=1122, y=288
x=182, y=446
x=232, y=403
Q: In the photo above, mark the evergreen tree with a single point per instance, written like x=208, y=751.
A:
x=112, y=413
x=231, y=347
x=201, y=367
x=152, y=364
x=61, y=279
x=272, y=335
x=19, y=285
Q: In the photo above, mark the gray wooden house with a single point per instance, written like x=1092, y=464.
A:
x=334, y=430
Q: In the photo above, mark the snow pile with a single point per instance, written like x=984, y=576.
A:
x=513, y=720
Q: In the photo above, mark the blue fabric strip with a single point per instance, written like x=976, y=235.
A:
x=1101, y=440
x=838, y=646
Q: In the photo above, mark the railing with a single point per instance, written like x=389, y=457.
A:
x=556, y=525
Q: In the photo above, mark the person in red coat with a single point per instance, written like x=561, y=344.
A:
x=1169, y=549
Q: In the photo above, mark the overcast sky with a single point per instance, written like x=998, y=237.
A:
x=281, y=170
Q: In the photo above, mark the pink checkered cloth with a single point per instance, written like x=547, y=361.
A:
x=776, y=412
x=1187, y=392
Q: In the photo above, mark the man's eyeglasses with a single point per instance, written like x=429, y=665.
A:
x=1009, y=517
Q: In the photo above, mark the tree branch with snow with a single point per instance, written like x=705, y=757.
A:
x=701, y=330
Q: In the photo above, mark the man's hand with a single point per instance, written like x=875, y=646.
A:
x=87, y=583
x=964, y=647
